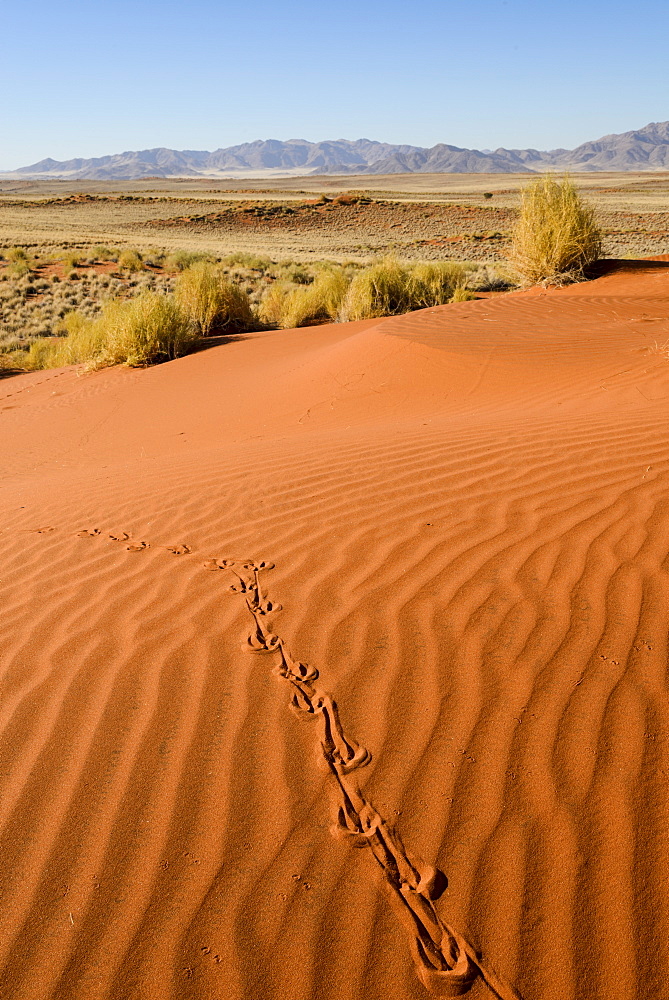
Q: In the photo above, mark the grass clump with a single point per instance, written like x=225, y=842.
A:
x=462, y=294
x=288, y=305
x=180, y=260
x=389, y=288
x=104, y=253
x=20, y=262
x=556, y=237
x=71, y=259
x=130, y=260
x=380, y=290
x=143, y=331
x=435, y=283
x=211, y=301
x=249, y=261
x=272, y=308
x=140, y=331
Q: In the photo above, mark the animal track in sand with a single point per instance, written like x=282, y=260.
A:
x=446, y=964
x=181, y=549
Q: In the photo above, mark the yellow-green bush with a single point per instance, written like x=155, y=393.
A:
x=211, y=301
x=144, y=330
x=389, y=288
x=249, y=261
x=103, y=253
x=288, y=305
x=435, y=283
x=130, y=260
x=273, y=305
x=182, y=259
x=20, y=261
x=556, y=237
x=140, y=331
x=461, y=294
x=384, y=289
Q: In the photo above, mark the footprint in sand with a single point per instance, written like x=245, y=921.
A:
x=120, y=536
x=137, y=547
x=89, y=533
x=179, y=550
x=215, y=564
x=446, y=964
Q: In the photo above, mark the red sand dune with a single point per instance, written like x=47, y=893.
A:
x=467, y=510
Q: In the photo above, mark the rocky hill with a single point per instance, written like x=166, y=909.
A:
x=644, y=149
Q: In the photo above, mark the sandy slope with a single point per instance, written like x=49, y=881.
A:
x=468, y=512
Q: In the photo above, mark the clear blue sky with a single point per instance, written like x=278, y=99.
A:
x=86, y=79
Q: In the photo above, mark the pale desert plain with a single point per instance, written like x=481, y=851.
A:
x=334, y=660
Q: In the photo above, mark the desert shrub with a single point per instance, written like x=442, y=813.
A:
x=141, y=331
x=104, y=253
x=18, y=253
x=288, y=305
x=144, y=330
x=155, y=259
x=42, y=353
x=462, y=294
x=321, y=300
x=433, y=283
x=211, y=301
x=556, y=237
x=297, y=273
x=19, y=260
x=71, y=259
x=248, y=260
x=384, y=289
x=130, y=260
x=182, y=259
x=273, y=305
x=490, y=278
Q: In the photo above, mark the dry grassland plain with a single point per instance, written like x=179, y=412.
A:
x=416, y=216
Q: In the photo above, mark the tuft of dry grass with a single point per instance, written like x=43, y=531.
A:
x=140, y=331
x=462, y=294
x=434, y=284
x=180, y=260
x=288, y=305
x=211, y=301
x=389, y=288
x=130, y=260
x=556, y=237
x=20, y=261
x=380, y=290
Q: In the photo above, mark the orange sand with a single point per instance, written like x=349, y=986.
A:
x=468, y=513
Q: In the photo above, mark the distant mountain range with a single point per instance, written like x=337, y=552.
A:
x=645, y=149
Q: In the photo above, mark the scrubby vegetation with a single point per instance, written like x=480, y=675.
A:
x=104, y=305
x=138, y=331
x=556, y=237
x=296, y=303
x=389, y=288
x=211, y=300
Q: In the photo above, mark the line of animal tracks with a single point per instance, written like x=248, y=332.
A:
x=446, y=963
